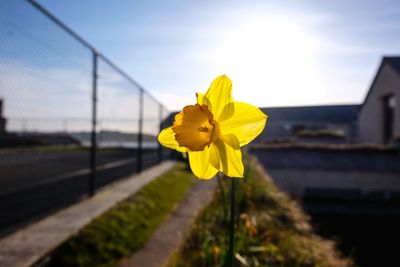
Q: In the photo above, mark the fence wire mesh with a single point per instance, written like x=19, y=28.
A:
x=70, y=119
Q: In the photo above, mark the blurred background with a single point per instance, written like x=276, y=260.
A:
x=72, y=118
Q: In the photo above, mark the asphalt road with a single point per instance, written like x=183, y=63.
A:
x=33, y=183
x=27, y=168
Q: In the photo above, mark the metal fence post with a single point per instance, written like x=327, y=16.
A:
x=140, y=134
x=93, y=147
x=160, y=117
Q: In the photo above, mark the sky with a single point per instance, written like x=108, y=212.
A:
x=277, y=53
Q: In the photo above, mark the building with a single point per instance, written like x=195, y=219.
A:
x=2, y=119
x=314, y=121
x=379, y=118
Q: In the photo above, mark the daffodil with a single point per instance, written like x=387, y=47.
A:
x=213, y=130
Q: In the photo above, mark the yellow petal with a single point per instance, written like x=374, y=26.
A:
x=230, y=156
x=214, y=156
x=200, y=163
x=246, y=124
x=219, y=95
x=167, y=139
x=202, y=99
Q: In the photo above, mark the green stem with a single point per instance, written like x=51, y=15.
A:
x=231, y=251
x=223, y=197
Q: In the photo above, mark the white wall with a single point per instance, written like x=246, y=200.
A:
x=371, y=114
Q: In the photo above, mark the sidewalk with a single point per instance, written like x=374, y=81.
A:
x=171, y=234
x=29, y=244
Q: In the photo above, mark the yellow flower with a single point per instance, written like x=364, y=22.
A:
x=213, y=130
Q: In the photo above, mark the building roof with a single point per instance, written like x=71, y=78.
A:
x=315, y=114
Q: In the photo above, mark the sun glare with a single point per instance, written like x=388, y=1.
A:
x=270, y=56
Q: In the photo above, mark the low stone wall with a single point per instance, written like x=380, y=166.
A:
x=342, y=172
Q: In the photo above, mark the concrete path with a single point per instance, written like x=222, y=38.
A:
x=171, y=234
x=29, y=244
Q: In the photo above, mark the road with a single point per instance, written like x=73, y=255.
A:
x=33, y=183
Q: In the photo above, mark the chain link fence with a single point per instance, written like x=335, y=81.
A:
x=71, y=121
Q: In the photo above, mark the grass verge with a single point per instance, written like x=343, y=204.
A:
x=125, y=228
x=271, y=230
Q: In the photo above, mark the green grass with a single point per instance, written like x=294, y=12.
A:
x=125, y=228
x=271, y=230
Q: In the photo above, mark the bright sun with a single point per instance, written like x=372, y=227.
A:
x=269, y=58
